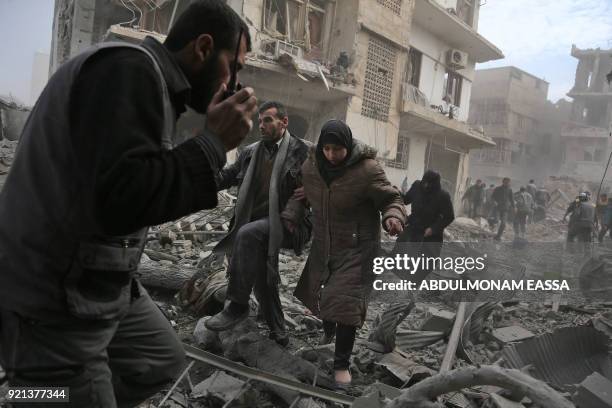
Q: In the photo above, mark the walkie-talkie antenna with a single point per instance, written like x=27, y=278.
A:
x=232, y=83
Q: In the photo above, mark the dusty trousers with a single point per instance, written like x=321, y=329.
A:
x=248, y=271
x=105, y=363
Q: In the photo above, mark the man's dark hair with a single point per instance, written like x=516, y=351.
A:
x=506, y=179
x=281, y=111
x=211, y=17
x=523, y=189
x=531, y=181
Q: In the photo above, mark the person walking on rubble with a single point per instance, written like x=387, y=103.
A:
x=475, y=197
x=606, y=222
x=504, y=202
x=582, y=220
x=490, y=212
x=524, y=208
x=267, y=174
x=600, y=209
x=348, y=191
x=431, y=211
x=95, y=167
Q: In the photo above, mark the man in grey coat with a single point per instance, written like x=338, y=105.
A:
x=267, y=174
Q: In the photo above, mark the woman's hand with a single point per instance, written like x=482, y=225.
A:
x=393, y=226
x=298, y=194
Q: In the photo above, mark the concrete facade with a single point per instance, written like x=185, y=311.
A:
x=585, y=139
x=434, y=109
x=509, y=104
x=344, y=59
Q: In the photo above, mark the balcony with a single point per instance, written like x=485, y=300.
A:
x=421, y=119
x=576, y=130
x=453, y=31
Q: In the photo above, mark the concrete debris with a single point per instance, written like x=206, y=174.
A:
x=438, y=320
x=376, y=396
x=206, y=339
x=603, y=323
x=404, y=369
x=506, y=335
x=594, y=392
x=219, y=385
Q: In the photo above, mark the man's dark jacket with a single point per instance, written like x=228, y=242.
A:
x=430, y=208
x=290, y=179
x=503, y=198
x=90, y=174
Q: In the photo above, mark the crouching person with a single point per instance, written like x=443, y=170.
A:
x=347, y=190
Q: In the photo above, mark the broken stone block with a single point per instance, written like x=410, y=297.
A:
x=166, y=237
x=219, y=385
x=594, y=392
x=510, y=334
x=438, y=320
x=206, y=339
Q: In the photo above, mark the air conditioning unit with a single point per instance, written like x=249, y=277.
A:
x=278, y=47
x=456, y=59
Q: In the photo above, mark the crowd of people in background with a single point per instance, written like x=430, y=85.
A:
x=499, y=204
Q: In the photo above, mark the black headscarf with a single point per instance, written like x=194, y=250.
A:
x=430, y=183
x=338, y=133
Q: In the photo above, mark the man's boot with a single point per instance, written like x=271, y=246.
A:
x=229, y=317
x=281, y=338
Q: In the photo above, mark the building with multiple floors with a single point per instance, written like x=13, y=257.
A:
x=399, y=72
x=585, y=137
x=510, y=105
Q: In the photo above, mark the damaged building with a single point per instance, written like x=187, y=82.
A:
x=13, y=117
x=586, y=144
x=511, y=107
x=399, y=72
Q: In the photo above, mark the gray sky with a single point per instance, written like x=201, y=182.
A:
x=535, y=35
x=25, y=28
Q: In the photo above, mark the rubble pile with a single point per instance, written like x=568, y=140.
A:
x=7, y=153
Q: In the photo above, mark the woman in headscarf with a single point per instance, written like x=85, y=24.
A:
x=348, y=191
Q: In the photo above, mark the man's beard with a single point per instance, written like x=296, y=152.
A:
x=270, y=138
x=203, y=85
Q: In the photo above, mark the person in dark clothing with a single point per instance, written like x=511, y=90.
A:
x=95, y=167
x=504, y=202
x=524, y=207
x=600, y=209
x=475, y=196
x=431, y=212
x=351, y=199
x=582, y=220
x=606, y=221
x=267, y=174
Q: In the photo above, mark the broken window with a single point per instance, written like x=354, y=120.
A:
x=378, y=82
x=413, y=73
x=299, y=22
x=401, y=156
x=453, y=84
x=393, y=5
